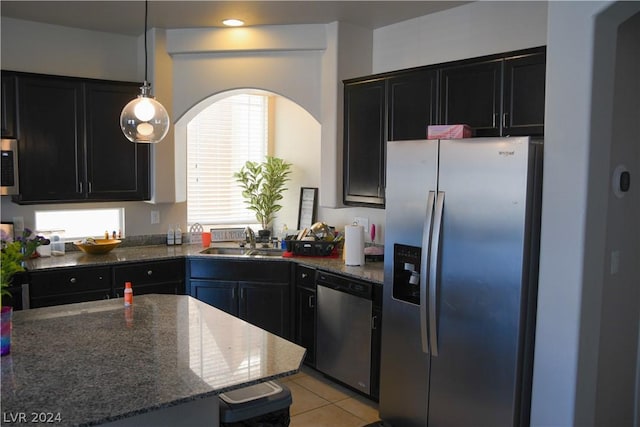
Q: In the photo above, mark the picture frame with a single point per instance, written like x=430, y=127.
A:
x=308, y=209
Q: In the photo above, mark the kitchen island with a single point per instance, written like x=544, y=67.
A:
x=162, y=361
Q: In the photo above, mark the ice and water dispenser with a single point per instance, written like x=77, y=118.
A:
x=406, y=273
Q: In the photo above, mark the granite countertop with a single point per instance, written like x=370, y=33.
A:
x=95, y=362
x=372, y=271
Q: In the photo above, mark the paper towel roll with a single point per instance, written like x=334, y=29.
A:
x=354, y=245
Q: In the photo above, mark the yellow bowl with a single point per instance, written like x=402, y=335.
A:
x=100, y=246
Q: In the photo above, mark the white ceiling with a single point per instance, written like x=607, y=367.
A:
x=127, y=17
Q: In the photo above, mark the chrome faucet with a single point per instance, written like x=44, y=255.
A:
x=252, y=237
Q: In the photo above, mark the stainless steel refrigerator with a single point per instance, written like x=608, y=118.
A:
x=460, y=281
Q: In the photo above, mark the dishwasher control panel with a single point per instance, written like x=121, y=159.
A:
x=343, y=284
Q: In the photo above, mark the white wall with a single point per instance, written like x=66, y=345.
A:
x=476, y=29
x=297, y=140
x=618, y=346
x=304, y=64
x=565, y=191
x=51, y=49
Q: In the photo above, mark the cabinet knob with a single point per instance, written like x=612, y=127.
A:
x=304, y=275
x=149, y=272
x=73, y=280
x=311, y=304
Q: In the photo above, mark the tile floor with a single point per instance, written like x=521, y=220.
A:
x=318, y=402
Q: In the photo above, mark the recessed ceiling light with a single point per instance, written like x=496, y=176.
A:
x=233, y=22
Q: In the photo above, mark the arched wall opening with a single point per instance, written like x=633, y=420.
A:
x=295, y=137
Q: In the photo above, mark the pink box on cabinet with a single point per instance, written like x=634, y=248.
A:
x=448, y=131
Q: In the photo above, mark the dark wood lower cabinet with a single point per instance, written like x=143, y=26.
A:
x=80, y=284
x=69, y=285
x=305, y=306
x=306, y=322
x=265, y=304
x=255, y=291
x=217, y=293
x=154, y=277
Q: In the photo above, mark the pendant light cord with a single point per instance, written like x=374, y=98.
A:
x=146, y=13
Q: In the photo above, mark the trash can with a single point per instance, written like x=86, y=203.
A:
x=261, y=405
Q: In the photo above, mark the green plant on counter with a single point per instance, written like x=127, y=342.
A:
x=13, y=255
x=262, y=186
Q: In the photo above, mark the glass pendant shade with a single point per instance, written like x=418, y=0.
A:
x=144, y=119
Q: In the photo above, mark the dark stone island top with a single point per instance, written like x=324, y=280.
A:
x=96, y=362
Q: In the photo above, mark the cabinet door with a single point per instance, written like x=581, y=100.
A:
x=165, y=277
x=411, y=100
x=67, y=286
x=51, y=139
x=8, y=106
x=364, y=143
x=471, y=94
x=523, y=102
x=306, y=322
x=265, y=305
x=376, y=344
x=220, y=294
x=117, y=169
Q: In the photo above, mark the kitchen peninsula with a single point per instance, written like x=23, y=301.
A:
x=162, y=361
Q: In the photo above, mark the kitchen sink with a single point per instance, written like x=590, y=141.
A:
x=271, y=252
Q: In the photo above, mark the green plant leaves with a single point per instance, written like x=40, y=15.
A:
x=262, y=186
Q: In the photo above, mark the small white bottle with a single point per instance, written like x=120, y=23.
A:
x=170, y=237
x=178, y=235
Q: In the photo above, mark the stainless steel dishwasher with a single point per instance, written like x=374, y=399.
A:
x=344, y=316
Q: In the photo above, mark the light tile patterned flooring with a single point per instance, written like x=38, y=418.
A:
x=318, y=402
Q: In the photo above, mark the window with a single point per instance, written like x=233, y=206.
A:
x=82, y=223
x=220, y=139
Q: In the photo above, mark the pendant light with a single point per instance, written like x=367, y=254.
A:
x=144, y=119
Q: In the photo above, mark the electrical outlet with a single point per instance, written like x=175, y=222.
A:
x=155, y=217
x=363, y=221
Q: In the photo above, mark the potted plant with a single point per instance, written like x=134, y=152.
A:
x=12, y=259
x=262, y=186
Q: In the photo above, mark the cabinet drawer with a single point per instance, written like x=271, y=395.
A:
x=70, y=298
x=69, y=281
x=148, y=273
x=250, y=270
x=305, y=276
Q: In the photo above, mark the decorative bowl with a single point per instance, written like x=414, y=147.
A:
x=97, y=246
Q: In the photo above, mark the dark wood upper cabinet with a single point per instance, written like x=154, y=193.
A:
x=523, y=99
x=470, y=94
x=70, y=143
x=117, y=169
x=364, y=143
x=51, y=144
x=8, y=106
x=496, y=95
x=412, y=104
x=501, y=97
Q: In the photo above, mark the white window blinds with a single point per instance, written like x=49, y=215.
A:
x=220, y=140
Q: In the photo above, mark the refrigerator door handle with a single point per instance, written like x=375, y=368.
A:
x=424, y=270
x=433, y=273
